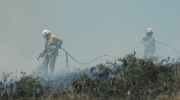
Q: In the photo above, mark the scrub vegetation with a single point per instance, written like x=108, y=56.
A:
x=131, y=78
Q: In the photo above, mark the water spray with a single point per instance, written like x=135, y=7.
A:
x=40, y=56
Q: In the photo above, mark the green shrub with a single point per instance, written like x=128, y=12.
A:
x=27, y=86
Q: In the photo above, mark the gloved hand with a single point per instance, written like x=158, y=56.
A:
x=43, y=53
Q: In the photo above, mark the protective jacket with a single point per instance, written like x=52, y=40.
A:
x=52, y=44
x=150, y=46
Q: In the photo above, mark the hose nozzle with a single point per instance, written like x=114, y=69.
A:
x=40, y=55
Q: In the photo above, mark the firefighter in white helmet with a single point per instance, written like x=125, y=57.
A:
x=52, y=44
x=149, y=43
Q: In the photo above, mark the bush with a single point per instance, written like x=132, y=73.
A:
x=27, y=86
x=139, y=77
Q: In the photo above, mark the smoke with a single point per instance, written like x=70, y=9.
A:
x=88, y=29
x=163, y=51
x=21, y=24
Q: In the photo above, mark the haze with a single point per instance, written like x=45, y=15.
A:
x=88, y=28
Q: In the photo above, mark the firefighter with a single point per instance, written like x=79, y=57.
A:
x=52, y=44
x=149, y=43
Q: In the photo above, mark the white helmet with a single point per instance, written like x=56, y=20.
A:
x=45, y=32
x=149, y=30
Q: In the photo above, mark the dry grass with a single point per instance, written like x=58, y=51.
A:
x=134, y=79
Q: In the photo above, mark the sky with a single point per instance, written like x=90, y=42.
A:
x=88, y=28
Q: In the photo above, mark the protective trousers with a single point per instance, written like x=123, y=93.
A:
x=148, y=54
x=51, y=60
